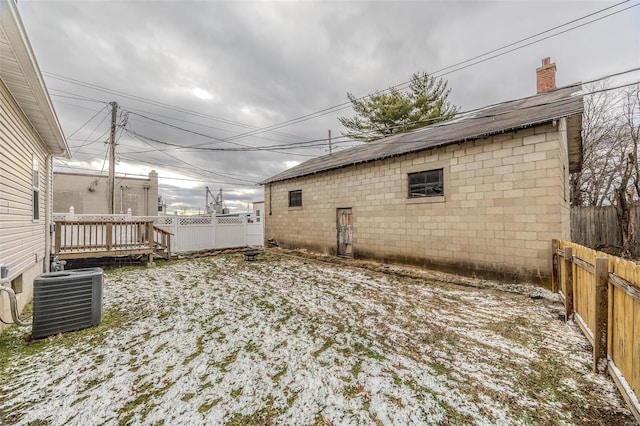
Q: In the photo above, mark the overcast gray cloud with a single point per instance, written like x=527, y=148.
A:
x=226, y=68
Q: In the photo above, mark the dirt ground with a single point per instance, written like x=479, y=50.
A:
x=299, y=339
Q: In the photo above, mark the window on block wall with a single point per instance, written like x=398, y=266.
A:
x=295, y=198
x=426, y=184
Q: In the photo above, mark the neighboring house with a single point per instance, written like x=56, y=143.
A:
x=88, y=194
x=483, y=193
x=30, y=135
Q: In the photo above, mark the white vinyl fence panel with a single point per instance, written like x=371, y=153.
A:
x=196, y=233
x=255, y=234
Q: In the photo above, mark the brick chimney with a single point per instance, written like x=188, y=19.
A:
x=546, y=76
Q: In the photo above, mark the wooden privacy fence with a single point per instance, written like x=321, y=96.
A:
x=602, y=292
x=597, y=227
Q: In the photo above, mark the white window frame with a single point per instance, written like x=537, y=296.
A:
x=35, y=200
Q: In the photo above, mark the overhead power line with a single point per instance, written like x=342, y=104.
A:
x=322, y=142
x=457, y=67
x=86, y=122
x=475, y=60
x=156, y=103
x=160, y=177
x=235, y=181
x=141, y=112
x=286, y=148
x=198, y=169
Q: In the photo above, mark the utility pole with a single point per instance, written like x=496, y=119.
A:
x=112, y=158
x=330, y=150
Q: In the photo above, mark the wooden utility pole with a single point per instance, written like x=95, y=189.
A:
x=112, y=158
x=330, y=148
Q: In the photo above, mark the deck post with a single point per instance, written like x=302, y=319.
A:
x=151, y=241
x=109, y=236
x=167, y=245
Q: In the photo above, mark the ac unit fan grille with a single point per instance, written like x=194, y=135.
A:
x=66, y=301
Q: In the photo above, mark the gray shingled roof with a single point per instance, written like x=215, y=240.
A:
x=491, y=120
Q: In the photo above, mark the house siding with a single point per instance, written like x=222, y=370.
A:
x=504, y=201
x=22, y=240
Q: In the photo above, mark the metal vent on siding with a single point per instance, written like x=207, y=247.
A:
x=66, y=301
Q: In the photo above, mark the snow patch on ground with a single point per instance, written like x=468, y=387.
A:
x=293, y=341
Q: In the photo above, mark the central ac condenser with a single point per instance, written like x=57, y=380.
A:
x=66, y=301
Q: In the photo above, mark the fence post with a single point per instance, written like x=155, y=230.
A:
x=568, y=282
x=214, y=231
x=173, y=228
x=601, y=315
x=555, y=245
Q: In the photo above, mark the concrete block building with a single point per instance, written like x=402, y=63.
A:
x=89, y=194
x=484, y=193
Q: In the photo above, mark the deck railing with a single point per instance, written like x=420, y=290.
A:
x=86, y=236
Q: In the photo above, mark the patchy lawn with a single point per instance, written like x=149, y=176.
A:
x=289, y=340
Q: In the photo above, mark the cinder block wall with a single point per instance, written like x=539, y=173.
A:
x=88, y=194
x=505, y=199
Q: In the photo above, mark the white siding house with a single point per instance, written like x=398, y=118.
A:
x=30, y=135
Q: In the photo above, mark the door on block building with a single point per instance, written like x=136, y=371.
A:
x=345, y=232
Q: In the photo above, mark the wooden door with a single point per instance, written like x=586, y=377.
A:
x=345, y=232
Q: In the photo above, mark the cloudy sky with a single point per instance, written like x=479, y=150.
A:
x=229, y=76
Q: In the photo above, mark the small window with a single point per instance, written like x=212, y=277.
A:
x=426, y=184
x=36, y=189
x=295, y=198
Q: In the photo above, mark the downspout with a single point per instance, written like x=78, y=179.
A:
x=13, y=306
x=146, y=199
x=48, y=216
x=121, y=197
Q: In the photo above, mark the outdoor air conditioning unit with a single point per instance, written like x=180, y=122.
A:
x=66, y=301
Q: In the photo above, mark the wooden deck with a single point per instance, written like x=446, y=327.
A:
x=82, y=238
